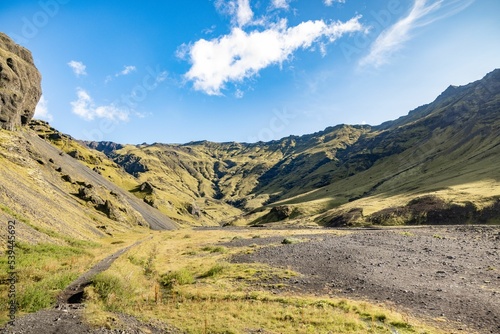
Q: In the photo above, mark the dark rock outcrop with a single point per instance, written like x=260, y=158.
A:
x=110, y=210
x=20, y=84
x=349, y=218
x=277, y=213
x=146, y=187
x=106, y=147
x=432, y=210
x=88, y=195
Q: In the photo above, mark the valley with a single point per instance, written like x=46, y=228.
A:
x=391, y=228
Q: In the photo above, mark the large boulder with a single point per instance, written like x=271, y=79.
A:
x=20, y=84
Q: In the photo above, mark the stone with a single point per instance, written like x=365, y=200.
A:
x=67, y=178
x=88, y=195
x=109, y=210
x=146, y=187
x=20, y=84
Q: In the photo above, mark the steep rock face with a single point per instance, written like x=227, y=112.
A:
x=20, y=84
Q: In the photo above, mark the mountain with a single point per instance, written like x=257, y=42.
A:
x=444, y=154
x=54, y=197
x=438, y=164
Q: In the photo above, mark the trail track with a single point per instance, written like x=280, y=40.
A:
x=66, y=316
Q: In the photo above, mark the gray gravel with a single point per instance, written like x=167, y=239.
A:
x=436, y=272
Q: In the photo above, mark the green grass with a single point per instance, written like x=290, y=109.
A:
x=112, y=291
x=215, y=270
x=214, y=249
x=106, y=284
x=178, y=277
x=43, y=271
x=40, y=295
x=34, y=254
x=14, y=214
x=203, y=293
x=290, y=240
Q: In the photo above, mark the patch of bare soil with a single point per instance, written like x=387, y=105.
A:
x=67, y=317
x=439, y=274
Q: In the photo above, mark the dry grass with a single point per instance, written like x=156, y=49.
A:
x=193, y=287
x=45, y=269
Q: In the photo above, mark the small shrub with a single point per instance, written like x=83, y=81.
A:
x=290, y=240
x=214, y=271
x=401, y=325
x=214, y=249
x=149, y=269
x=135, y=261
x=191, y=253
x=33, y=298
x=106, y=284
x=178, y=277
x=82, y=243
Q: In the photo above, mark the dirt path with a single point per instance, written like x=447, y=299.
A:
x=73, y=293
x=446, y=273
x=67, y=317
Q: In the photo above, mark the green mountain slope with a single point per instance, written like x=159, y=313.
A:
x=54, y=197
x=438, y=149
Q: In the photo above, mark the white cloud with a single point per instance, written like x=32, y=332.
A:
x=239, y=9
x=423, y=12
x=42, y=111
x=284, y=4
x=239, y=94
x=126, y=70
x=78, y=67
x=240, y=55
x=331, y=2
x=244, y=13
x=85, y=107
x=161, y=76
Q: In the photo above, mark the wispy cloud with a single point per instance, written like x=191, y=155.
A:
x=240, y=54
x=239, y=10
x=423, y=13
x=85, y=107
x=284, y=4
x=126, y=70
x=42, y=110
x=78, y=67
x=239, y=94
x=331, y=2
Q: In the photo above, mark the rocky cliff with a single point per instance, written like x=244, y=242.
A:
x=20, y=84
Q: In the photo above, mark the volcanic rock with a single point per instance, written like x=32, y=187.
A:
x=20, y=84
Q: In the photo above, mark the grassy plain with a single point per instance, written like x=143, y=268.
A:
x=184, y=278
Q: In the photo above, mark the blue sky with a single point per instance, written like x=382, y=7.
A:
x=245, y=70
